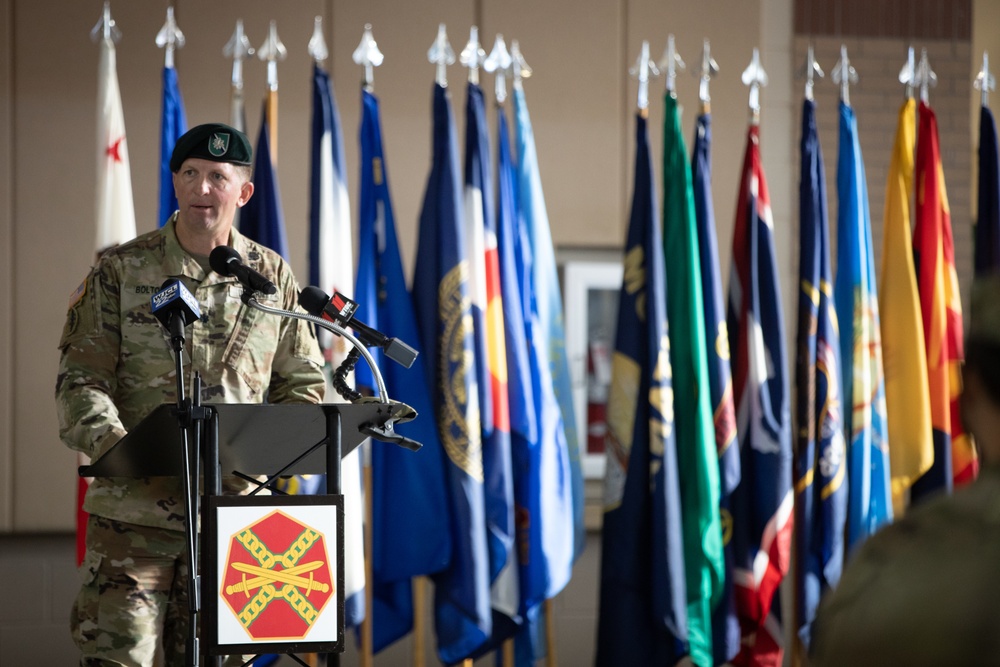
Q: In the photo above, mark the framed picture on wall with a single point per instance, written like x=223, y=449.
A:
x=590, y=291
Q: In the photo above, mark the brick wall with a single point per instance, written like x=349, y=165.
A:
x=876, y=99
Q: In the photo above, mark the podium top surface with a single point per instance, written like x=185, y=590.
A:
x=253, y=439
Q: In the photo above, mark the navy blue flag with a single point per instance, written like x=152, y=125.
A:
x=987, y=247
x=725, y=623
x=261, y=219
x=643, y=599
x=820, y=453
x=410, y=523
x=441, y=292
x=173, y=123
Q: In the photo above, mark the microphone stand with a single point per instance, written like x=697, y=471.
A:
x=188, y=411
x=333, y=453
x=383, y=395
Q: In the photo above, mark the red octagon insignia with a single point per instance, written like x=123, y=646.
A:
x=277, y=577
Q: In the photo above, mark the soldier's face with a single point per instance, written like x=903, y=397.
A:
x=208, y=194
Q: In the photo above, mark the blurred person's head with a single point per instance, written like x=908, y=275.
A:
x=981, y=374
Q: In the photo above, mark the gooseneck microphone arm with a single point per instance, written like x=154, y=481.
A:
x=383, y=395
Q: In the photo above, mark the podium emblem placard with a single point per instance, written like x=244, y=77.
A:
x=279, y=571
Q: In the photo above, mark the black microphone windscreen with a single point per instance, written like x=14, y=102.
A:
x=313, y=300
x=220, y=257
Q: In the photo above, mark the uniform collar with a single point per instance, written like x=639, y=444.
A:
x=178, y=262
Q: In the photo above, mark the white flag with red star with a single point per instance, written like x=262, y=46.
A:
x=115, y=210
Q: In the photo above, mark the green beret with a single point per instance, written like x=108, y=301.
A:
x=212, y=141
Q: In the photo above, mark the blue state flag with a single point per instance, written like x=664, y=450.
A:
x=551, y=330
x=543, y=472
x=642, y=619
x=869, y=504
x=262, y=219
x=440, y=286
x=820, y=452
x=987, y=248
x=411, y=533
x=173, y=123
x=725, y=624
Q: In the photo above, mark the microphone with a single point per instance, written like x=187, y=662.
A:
x=227, y=262
x=175, y=307
x=340, y=310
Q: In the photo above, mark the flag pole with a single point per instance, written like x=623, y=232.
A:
x=238, y=47
x=169, y=38
x=709, y=68
x=271, y=52
x=500, y=63
x=368, y=55
x=669, y=64
x=926, y=78
x=985, y=82
x=844, y=74
x=754, y=76
x=551, y=660
x=641, y=70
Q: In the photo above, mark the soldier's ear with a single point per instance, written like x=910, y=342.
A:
x=245, y=193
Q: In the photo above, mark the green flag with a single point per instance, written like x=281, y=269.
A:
x=696, y=453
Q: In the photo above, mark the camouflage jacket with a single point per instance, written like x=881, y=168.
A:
x=117, y=362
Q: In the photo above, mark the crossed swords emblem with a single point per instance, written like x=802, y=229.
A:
x=289, y=575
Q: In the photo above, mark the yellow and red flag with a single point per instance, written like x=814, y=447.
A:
x=911, y=448
x=955, y=460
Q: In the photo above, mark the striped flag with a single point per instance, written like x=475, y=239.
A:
x=725, y=624
x=331, y=267
x=441, y=293
x=548, y=302
x=907, y=398
x=820, y=452
x=491, y=365
x=762, y=503
x=642, y=618
x=869, y=504
x=173, y=123
x=410, y=521
x=955, y=459
x=697, y=456
x=262, y=219
x=987, y=249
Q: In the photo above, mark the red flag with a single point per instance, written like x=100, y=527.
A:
x=954, y=457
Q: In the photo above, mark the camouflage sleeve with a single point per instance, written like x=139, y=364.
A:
x=88, y=417
x=297, y=370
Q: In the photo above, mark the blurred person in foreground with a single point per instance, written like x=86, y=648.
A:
x=117, y=365
x=924, y=591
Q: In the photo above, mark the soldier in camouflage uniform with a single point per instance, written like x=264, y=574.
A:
x=117, y=365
